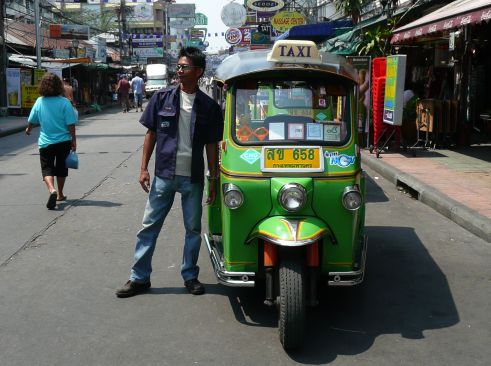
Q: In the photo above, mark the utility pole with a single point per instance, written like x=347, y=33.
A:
x=3, y=60
x=38, y=33
x=123, y=25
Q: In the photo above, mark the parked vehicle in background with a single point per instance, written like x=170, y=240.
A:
x=156, y=78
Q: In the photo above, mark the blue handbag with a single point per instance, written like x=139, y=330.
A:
x=71, y=160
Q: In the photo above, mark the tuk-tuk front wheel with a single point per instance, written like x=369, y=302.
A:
x=292, y=302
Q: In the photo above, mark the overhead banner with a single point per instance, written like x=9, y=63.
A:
x=69, y=31
x=394, y=89
x=13, y=88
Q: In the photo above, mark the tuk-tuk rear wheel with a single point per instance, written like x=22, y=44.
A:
x=292, y=302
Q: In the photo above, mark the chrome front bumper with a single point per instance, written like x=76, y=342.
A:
x=350, y=278
x=234, y=279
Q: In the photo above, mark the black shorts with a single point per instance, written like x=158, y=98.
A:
x=53, y=159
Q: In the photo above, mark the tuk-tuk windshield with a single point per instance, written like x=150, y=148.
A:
x=291, y=112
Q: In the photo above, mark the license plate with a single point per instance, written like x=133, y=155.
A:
x=292, y=159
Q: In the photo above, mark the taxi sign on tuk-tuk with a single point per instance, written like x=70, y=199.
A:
x=295, y=52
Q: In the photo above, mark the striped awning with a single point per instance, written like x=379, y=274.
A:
x=451, y=16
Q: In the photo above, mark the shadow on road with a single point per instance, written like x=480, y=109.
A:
x=373, y=192
x=404, y=292
x=85, y=202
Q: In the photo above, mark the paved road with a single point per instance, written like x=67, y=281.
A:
x=425, y=300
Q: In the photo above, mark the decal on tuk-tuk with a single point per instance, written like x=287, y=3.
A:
x=251, y=156
x=341, y=160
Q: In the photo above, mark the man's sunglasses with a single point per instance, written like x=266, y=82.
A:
x=184, y=67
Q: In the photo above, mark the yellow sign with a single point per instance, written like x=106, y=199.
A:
x=29, y=95
x=291, y=51
x=284, y=20
x=300, y=158
x=38, y=74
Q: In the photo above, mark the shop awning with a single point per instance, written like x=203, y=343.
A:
x=317, y=32
x=453, y=15
x=30, y=61
x=347, y=43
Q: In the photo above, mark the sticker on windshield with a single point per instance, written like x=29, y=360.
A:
x=320, y=116
x=314, y=131
x=251, y=156
x=341, y=160
x=332, y=133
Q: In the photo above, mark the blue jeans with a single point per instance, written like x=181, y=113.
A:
x=138, y=99
x=159, y=203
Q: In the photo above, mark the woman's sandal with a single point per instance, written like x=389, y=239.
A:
x=51, y=204
x=62, y=198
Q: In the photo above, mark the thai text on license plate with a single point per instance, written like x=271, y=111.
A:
x=292, y=159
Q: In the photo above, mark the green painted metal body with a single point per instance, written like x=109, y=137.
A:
x=340, y=231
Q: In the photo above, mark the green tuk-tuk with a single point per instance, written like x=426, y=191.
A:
x=290, y=209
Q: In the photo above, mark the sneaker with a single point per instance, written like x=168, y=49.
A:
x=132, y=288
x=195, y=287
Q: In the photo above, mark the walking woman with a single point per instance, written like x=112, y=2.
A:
x=55, y=116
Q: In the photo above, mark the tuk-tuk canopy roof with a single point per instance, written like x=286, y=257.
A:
x=285, y=55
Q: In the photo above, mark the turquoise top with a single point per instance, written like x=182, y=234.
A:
x=53, y=114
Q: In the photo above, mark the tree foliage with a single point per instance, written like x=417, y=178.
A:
x=376, y=42
x=350, y=8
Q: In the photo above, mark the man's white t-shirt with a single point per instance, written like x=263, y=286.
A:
x=184, y=142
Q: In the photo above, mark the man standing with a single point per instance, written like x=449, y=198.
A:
x=138, y=86
x=181, y=122
x=123, y=89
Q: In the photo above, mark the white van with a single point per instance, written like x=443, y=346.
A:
x=156, y=78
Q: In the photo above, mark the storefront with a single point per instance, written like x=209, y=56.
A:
x=449, y=67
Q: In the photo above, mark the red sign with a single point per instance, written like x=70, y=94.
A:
x=233, y=36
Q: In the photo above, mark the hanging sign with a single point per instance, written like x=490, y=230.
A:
x=233, y=15
x=13, y=88
x=233, y=36
x=29, y=95
x=181, y=10
x=394, y=89
x=200, y=19
x=265, y=5
x=182, y=23
x=284, y=20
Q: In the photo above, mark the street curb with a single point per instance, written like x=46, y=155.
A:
x=464, y=216
x=11, y=131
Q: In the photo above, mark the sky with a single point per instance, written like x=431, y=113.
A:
x=212, y=9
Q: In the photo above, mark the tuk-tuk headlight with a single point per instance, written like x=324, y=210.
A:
x=232, y=196
x=352, y=198
x=292, y=197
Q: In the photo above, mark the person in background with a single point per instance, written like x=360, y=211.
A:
x=75, y=90
x=68, y=91
x=123, y=89
x=56, y=117
x=138, y=86
x=181, y=122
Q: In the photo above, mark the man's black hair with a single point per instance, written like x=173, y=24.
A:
x=197, y=57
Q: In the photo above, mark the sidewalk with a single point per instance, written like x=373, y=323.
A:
x=456, y=183
x=14, y=124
